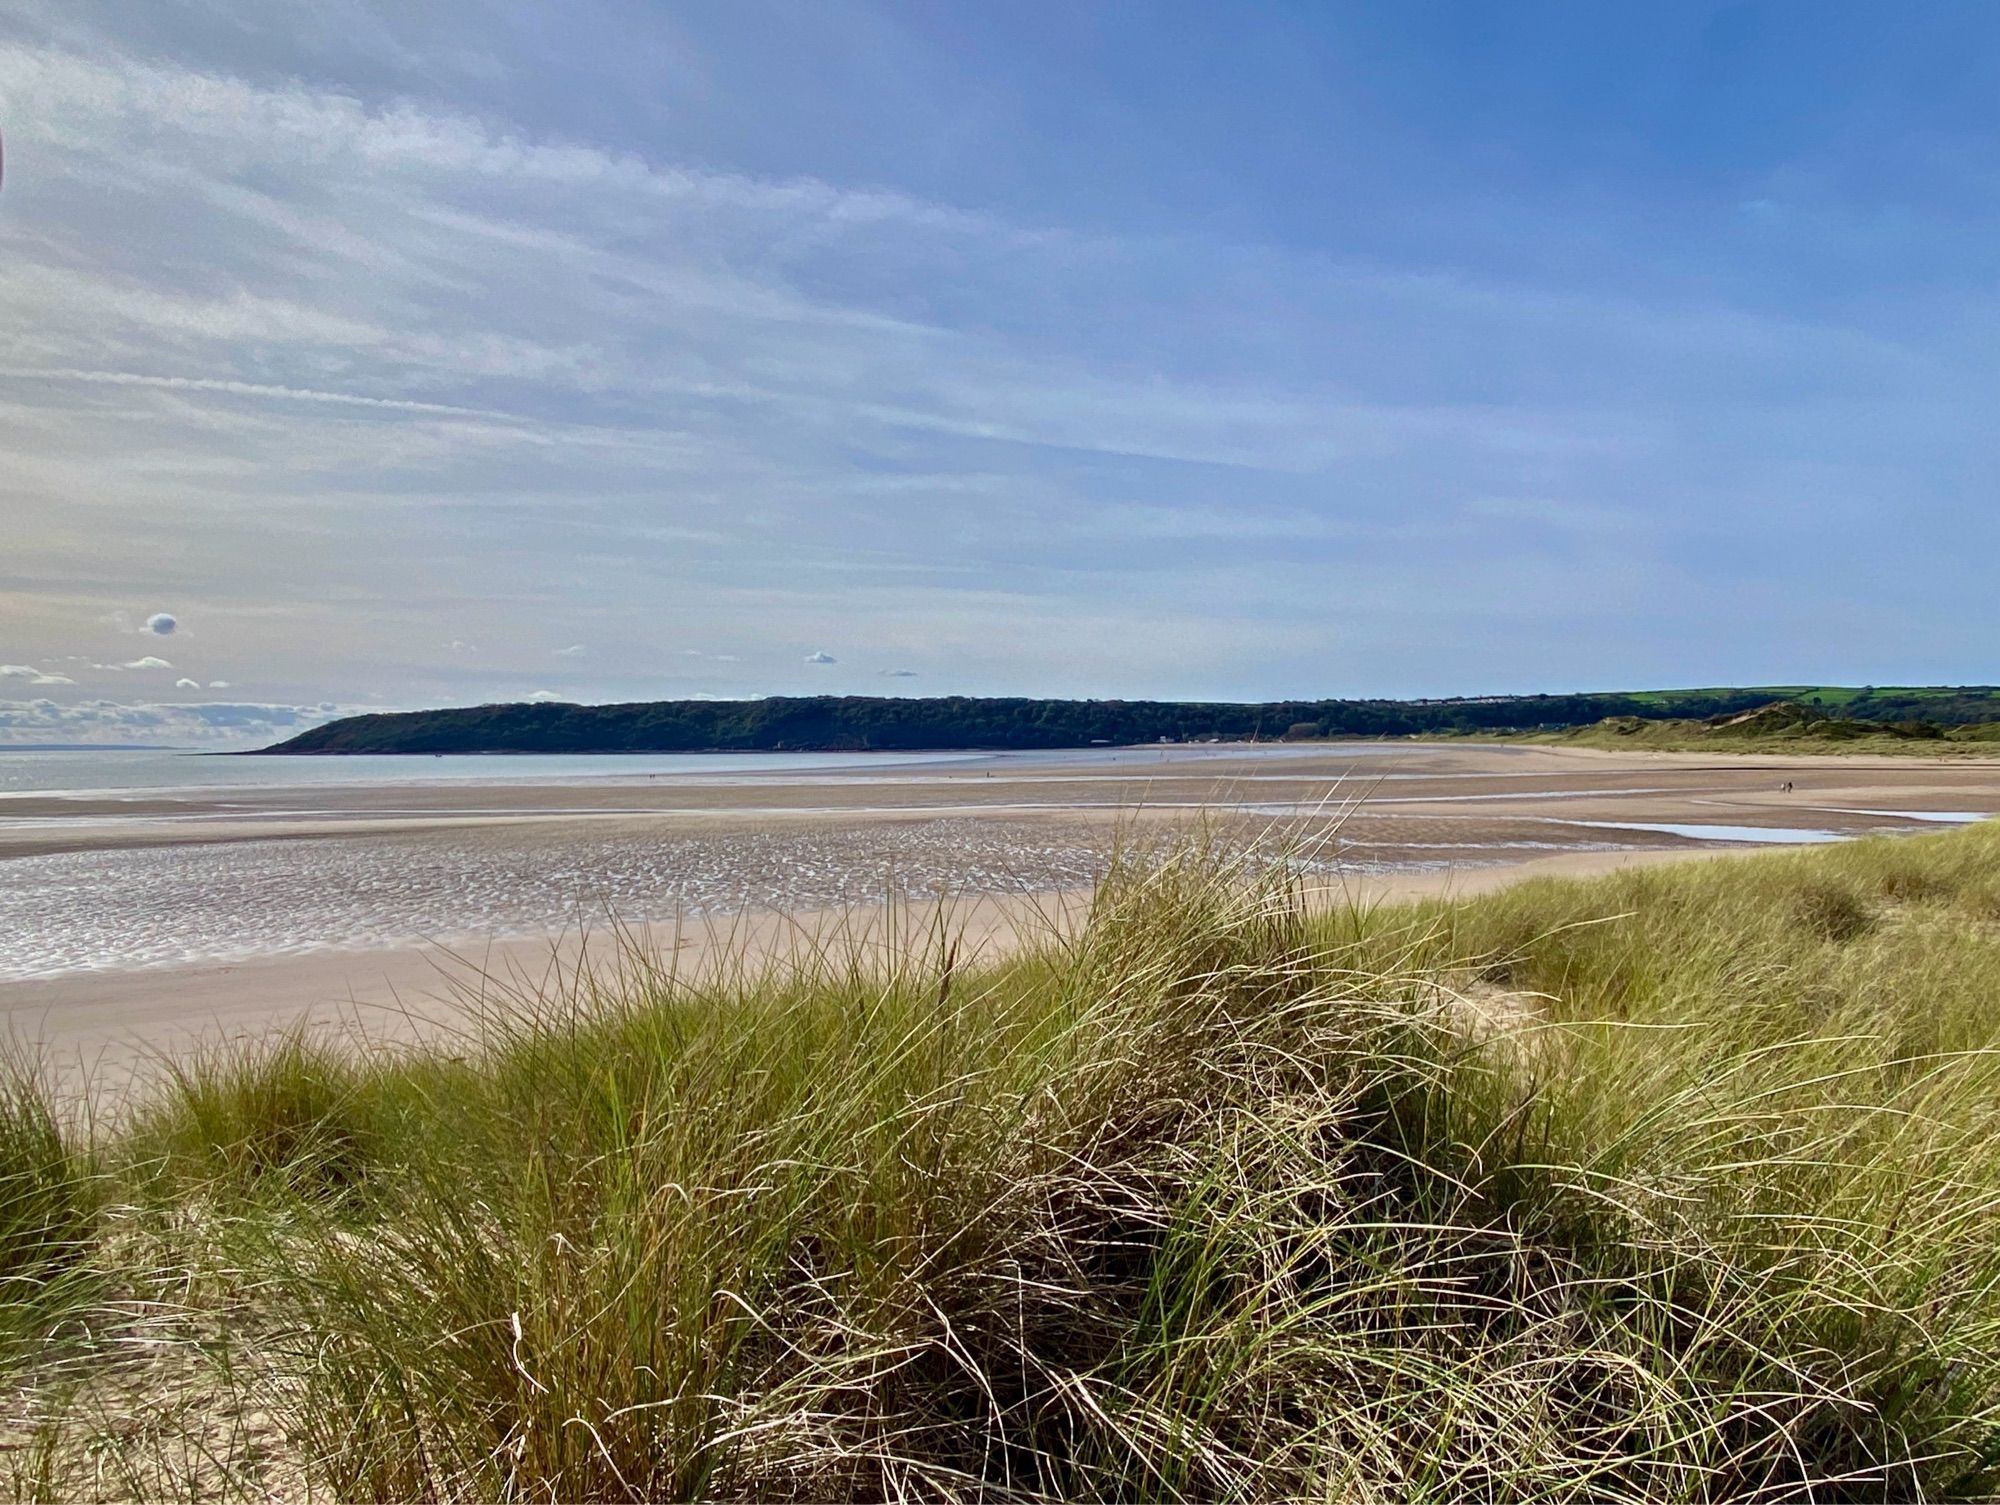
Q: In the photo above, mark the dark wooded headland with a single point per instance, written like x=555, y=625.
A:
x=857, y=722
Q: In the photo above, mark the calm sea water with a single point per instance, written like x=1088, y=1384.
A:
x=92, y=772
x=148, y=772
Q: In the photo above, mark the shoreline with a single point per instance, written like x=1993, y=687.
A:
x=402, y=878
x=1451, y=775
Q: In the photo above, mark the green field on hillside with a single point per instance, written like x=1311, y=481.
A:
x=1786, y=726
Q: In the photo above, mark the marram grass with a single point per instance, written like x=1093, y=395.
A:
x=1682, y=1185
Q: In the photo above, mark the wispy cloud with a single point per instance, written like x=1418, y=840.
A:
x=458, y=363
x=227, y=388
x=88, y=105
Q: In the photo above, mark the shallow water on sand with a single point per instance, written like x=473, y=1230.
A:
x=83, y=911
x=1797, y=836
x=1696, y=831
x=206, y=899
x=333, y=870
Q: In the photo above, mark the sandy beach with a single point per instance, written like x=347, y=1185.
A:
x=692, y=868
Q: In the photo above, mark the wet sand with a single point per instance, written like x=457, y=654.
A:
x=1004, y=841
x=110, y=1030
x=1467, y=783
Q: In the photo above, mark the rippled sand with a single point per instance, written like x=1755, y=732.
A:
x=110, y=909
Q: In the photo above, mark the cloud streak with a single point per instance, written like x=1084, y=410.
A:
x=226, y=388
x=90, y=106
x=462, y=363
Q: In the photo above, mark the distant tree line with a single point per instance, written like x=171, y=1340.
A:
x=866, y=723
x=1953, y=706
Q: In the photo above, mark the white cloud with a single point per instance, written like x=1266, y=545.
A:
x=459, y=645
x=187, y=684
x=221, y=723
x=899, y=673
x=574, y=650
x=218, y=684
x=162, y=624
x=543, y=695
x=148, y=662
x=33, y=675
x=821, y=658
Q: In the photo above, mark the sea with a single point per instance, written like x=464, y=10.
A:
x=142, y=772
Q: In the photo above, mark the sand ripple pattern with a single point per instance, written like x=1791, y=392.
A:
x=84, y=910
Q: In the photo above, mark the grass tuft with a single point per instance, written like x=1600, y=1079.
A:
x=49, y=1198
x=1834, y=911
x=287, y=1110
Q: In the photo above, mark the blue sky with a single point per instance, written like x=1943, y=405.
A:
x=411, y=355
